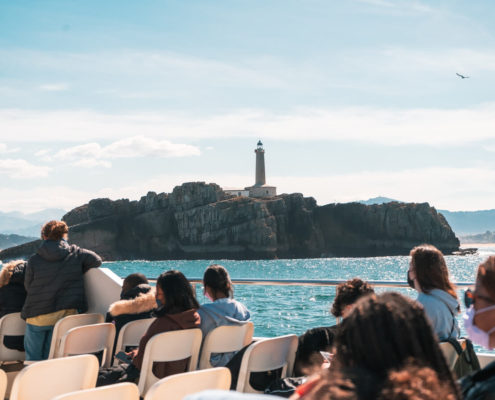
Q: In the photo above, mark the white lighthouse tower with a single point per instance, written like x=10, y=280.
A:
x=260, y=188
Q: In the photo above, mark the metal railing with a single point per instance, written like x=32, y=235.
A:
x=315, y=282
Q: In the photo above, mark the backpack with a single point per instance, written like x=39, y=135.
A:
x=467, y=360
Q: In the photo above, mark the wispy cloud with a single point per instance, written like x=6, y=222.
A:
x=155, y=131
x=54, y=87
x=399, y=6
x=22, y=169
x=95, y=155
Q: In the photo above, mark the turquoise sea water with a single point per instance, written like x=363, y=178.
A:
x=279, y=310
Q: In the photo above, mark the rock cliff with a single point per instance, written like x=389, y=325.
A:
x=200, y=221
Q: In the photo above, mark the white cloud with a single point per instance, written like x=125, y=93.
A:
x=21, y=169
x=54, y=87
x=94, y=155
x=438, y=186
x=4, y=149
x=364, y=124
x=402, y=6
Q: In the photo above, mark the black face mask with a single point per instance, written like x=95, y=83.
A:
x=410, y=282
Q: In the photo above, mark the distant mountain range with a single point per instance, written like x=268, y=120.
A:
x=7, y=241
x=463, y=223
x=27, y=224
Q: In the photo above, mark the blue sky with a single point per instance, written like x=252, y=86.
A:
x=352, y=99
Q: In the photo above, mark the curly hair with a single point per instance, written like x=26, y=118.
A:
x=431, y=270
x=415, y=383
x=54, y=230
x=348, y=293
x=383, y=332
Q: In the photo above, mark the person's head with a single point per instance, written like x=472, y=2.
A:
x=480, y=322
x=133, y=280
x=383, y=331
x=347, y=294
x=429, y=270
x=54, y=230
x=216, y=282
x=175, y=293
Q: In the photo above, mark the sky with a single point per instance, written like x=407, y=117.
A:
x=352, y=99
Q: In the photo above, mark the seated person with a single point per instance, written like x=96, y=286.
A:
x=223, y=310
x=12, y=297
x=316, y=340
x=178, y=311
x=12, y=292
x=137, y=301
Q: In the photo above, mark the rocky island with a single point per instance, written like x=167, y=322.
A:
x=201, y=221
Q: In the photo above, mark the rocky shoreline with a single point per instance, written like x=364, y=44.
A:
x=201, y=221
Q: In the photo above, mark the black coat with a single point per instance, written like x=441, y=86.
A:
x=12, y=293
x=480, y=385
x=54, y=278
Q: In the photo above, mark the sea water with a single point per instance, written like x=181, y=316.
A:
x=279, y=310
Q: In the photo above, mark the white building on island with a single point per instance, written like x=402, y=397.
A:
x=260, y=188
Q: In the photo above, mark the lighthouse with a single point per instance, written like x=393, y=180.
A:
x=260, y=188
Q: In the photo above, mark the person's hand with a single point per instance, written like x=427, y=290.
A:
x=132, y=353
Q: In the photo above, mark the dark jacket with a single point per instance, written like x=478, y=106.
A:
x=12, y=292
x=169, y=322
x=479, y=385
x=54, y=278
x=137, y=303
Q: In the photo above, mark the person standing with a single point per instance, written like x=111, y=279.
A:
x=54, y=285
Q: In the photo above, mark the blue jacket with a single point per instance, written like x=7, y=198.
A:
x=222, y=312
x=441, y=309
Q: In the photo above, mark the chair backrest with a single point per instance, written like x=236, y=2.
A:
x=3, y=383
x=44, y=380
x=224, y=339
x=131, y=333
x=11, y=325
x=121, y=391
x=449, y=353
x=267, y=355
x=65, y=324
x=176, y=387
x=89, y=339
x=169, y=346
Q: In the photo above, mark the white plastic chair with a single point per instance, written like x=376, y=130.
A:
x=3, y=383
x=11, y=325
x=44, y=380
x=225, y=339
x=65, y=324
x=131, y=333
x=450, y=353
x=176, y=387
x=120, y=391
x=169, y=346
x=267, y=355
x=89, y=339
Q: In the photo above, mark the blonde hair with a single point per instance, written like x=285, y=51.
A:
x=7, y=271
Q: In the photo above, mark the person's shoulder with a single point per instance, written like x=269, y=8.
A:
x=479, y=384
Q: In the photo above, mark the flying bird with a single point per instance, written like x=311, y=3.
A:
x=461, y=76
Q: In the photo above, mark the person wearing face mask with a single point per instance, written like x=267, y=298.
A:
x=428, y=274
x=223, y=310
x=479, y=322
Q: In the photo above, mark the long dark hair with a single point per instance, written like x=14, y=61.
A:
x=178, y=293
x=431, y=269
x=384, y=332
x=217, y=278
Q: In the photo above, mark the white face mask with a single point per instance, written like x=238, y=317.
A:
x=477, y=335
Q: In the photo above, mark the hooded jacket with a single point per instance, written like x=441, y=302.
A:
x=222, y=312
x=136, y=303
x=441, y=309
x=12, y=292
x=54, y=278
x=169, y=322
